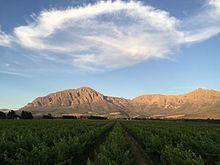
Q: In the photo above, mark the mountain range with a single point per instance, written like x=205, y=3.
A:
x=198, y=104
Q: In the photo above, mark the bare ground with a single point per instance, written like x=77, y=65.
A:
x=139, y=155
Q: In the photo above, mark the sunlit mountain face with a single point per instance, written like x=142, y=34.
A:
x=198, y=104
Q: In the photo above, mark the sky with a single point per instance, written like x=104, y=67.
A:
x=119, y=48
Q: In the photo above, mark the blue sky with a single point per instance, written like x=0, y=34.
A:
x=119, y=48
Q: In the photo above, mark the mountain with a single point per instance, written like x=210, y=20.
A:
x=83, y=100
x=199, y=103
x=4, y=110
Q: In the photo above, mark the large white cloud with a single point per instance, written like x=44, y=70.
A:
x=104, y=35
x=110, y=35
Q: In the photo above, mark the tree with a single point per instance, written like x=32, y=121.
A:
x=48, y=116
x=11, y=114
x=2, y=115
x=26, y=115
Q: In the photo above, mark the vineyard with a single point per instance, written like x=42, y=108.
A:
x=169, y=142
x=110, y=142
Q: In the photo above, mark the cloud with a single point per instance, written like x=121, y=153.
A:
x=112, y=34
x=202, y=35
x=205, y=24
x=215, y=5
x=5, y=40
x=13, y=73
x=105, y=35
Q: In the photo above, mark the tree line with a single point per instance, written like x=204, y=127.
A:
x=12, y=115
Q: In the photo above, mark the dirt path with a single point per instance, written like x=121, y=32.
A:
x=138, y=153
x=91, y=150
x=139, y=156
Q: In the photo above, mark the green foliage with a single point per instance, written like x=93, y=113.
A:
x=115, y=151
x=170, y=142
x=45, y=142
x=178, y=155
x=63, y=142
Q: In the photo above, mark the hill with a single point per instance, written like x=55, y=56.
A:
x=199, y=103
x=81, y=101
x=4, y=110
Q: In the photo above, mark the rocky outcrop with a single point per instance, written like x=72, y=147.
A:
x=197, y=104
x=82, y=100
x=72, y=97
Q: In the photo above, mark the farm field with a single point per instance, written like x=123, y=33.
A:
x=177, y=142
x=108, y=142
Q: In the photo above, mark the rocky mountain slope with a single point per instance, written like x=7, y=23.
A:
x=83, y=100
x=196, y=104
x=199, y=103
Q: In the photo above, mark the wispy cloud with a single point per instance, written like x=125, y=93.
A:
x=5, y=40
x=105, y=35
x=203, y=25
x=201, y=35
x=14, y=73
x=112, y=34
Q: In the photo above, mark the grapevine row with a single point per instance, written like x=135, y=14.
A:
x=182, y=143
x=47, y=142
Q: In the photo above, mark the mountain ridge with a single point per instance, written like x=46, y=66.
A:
x=200, y=103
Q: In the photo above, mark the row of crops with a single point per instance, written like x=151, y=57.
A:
x=184, y=143
x=47, y=141
x=115, y=150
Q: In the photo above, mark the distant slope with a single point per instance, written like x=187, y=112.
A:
x=4, y=110
x=199, y=103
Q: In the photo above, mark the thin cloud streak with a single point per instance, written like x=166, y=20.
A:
x=14, y=73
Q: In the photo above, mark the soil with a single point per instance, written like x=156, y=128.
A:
x=94, y=148
x=139, y=155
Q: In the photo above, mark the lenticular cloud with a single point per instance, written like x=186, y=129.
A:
x=110, y=35
x=105, y=35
